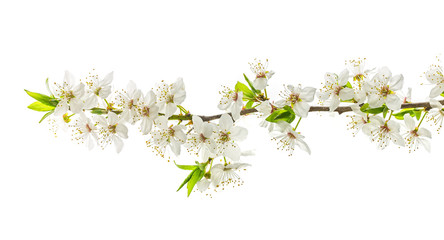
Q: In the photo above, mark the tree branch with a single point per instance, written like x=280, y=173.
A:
x=339, y=110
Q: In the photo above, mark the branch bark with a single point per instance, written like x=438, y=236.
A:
x=339, y=110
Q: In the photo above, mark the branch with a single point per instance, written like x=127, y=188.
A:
x=339, y=110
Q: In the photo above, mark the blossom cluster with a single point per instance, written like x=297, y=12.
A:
x=100, y=116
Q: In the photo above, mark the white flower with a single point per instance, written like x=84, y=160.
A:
x=225, y=174
x=167, y=136
x=226, y=135
x=171, y=95
x=335, y=89
x=231, y=101
x=59, y=122
x=382, y=132
x=98, y=89
x=358, y=72
x=70, y=95
x=203, y=184
x=112, y=130
x=262, y=74
x=265, y=109
x=129, y=101
x=298, y=98
x=381, y=89
x=436, y=114
x=149, y=111
x=201, y=140
x=287, y=138
x=85, y=131
x=416, y=136
x=360, y=121
x=435, y=76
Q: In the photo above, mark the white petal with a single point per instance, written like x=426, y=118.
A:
x=375, y=101
x=146, y=125
x=107, y=79
x=346, y=94
x=409, y=122
x=393, y=102
x=260, y=83
x=170, y=109
x=396, y=82
x=118, y=143
x=435, y=104
x=397, y=139
x=301, y=109
x=425, y=143
x=308, y=94
x=232, y=152
x=122, y=130
x=334, y=103
x=76, y=105
x=239, y=133
x=225, y=122
x=424, y=132
x=343, y=77
x=436, y=91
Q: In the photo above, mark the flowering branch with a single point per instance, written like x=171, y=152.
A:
x=99, y=117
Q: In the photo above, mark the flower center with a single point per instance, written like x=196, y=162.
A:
x=131, y=104
x=97, y=91
x=385, y=91
x=88, y=128
x=66, y=118
x=294, y=98
x=171, y=132
x=202, y=137
x=235, y=96
x=291, y=135
x=112, y=128
x=146, y=111
x=169, y=99
x=224, y=137
x=337, y=90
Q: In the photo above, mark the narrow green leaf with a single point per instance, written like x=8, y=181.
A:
x=187, y=179
x=400, y=115
x=385, y=111
x=348, y=85
x=197, y=176
x=98, y=111
x=42, y=98
x=364, y=107
x=240, y=87
x=186, y=167
x=250, y=84
x=46, y=115
x=38, y=106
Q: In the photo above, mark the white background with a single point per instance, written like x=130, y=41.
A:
x=51, y=188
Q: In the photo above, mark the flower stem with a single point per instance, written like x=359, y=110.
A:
x=297, y=124
x=423, y=116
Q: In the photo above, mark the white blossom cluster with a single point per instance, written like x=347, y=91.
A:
x=100, y=116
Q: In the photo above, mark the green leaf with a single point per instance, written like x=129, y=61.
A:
x=197, y=176
x=250, y=84
x=187, y=179
x=38, y=106
x=43, y=98
x=417, y=113
x=366, y=109
x=186, y=167
x=98, y=111
x=385, y=111
x=285, y=114
x=442, y=94
x=400, y=115
x=248, y=94
x=348, y=85
x=249, y=104
x=46, y=115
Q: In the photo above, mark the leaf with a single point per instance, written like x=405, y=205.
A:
x=38, y=106
x=43, y=98
x=250, y=84
x=285, y=114
x=249, y=104
x=187, y=179
x=348, y=85
x=46, y=115
x=197, y=176
x=417, y=113
x=366, y=109
x=186, y=167
x=248, y=94
x=98, y=111
x=400, y=115
x=385, y=111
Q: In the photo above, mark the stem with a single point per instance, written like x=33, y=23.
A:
x=265, y=91
x=391, y=112
x=423, y=116
x=297, y=124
